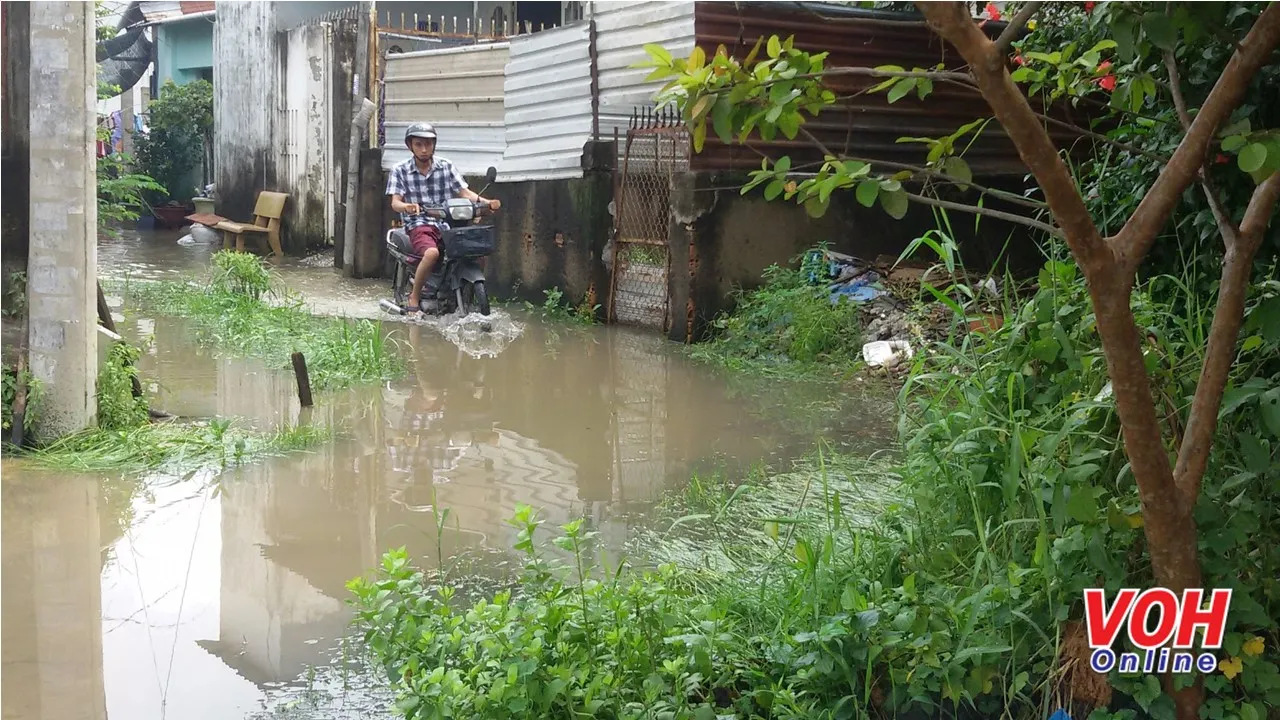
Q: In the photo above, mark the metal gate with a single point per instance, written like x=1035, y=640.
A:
x=657, y=147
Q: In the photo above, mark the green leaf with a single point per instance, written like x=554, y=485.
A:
x=1256, y=455
x=1083, y=506
x=783, y=166
x=658, y=53
x=803, y=552
x=775, y=47
x=722, y=120
x=774, y=189
x=957, y=168
x=1252, y=157
x=923, y=87
x=699, y=136
x=659, y=73
x=1045, y=350
x=1104, y=45
x=1123, y=30
x=701, y=107
x=1267, y=319
x=1269, y=406
x=1022, y=74
x=867, y=192
x=1160, y=30
x=789, y=124
x=1236, y=397
x=1233, y=143
x=894, y=203
x=816, y=206
x=900, y=90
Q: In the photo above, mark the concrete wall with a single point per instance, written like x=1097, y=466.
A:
x=552, y=234
x=248, y=56
x=183, y=50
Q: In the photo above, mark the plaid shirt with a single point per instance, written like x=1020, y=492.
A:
x=442, y=183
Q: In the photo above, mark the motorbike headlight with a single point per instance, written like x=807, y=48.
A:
x=461, y=210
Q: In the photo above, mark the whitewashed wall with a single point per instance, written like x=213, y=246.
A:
x=459, y=90
x=307, y=155
x=547, y=97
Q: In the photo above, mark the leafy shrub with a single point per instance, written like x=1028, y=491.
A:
x=789, y=319
x=238, y=273
x=627, y=646
x=118, y=409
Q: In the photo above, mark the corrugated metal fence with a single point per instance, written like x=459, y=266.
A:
x=534, y=123
x=460, y=91
x=622, y=31
x=547, y=95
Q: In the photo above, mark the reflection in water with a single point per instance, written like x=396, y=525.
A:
x=202, y=597
x=52, y=625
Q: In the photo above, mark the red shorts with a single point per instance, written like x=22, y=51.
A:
x=423, y=238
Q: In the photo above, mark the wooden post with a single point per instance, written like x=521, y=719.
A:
x=304, y=382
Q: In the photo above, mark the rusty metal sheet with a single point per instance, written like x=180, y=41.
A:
x=866, y=125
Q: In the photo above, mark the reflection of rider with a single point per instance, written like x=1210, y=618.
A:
x=425, y=179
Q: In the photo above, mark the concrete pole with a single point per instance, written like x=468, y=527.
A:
x=63, y=261
x=126, y=120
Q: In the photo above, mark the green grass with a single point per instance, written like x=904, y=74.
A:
x=340, y=353
x=172, y=447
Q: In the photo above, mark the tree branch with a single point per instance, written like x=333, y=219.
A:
x=1230, y=233
x=1134, y=240
x=1228, y=316
x=1103, y=139
x=997, y=214
x=1022, y=125
x=1002, y=194
x=1015, y=27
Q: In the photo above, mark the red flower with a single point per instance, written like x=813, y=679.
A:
x=992, y=11
x=1089, y=6
x=1221, y=159
x=1019, y=60
x=1108, y=81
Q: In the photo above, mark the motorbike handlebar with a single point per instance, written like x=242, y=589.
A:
x=438, y=211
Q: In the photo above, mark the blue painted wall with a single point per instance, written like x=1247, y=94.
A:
x=184, y=51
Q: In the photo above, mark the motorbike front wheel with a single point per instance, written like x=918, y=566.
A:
x=479, y=297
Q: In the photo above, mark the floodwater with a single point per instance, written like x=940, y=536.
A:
x=222, y=595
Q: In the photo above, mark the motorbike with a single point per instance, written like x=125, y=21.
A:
x=457, y=282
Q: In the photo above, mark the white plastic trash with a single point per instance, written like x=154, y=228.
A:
x=204, y=234
x=886, y=352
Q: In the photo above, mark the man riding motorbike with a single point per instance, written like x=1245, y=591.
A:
x=425, y=180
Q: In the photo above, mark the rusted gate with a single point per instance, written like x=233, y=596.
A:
x=656, y=148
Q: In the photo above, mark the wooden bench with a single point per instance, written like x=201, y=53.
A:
x=266, y=223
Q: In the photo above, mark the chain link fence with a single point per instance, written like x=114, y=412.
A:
x=642, y=260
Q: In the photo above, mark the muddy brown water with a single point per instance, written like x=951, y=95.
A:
x=222, y=594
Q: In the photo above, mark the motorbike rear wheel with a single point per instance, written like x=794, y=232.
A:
x=399, y=285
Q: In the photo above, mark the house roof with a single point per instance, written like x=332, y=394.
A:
x=154, y=10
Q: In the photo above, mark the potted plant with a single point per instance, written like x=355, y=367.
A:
x=176, y=147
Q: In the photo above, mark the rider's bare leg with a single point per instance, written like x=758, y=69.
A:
x=427, y=262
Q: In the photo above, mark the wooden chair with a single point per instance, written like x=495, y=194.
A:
x=266, y=223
